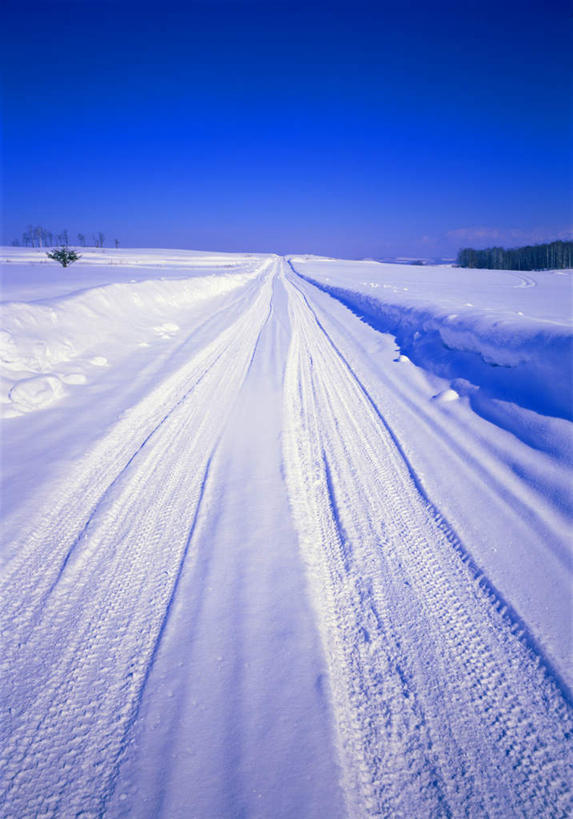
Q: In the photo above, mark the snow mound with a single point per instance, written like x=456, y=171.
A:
x=166, y=330
x=74, y=378
x=445, y=396
x=36, y=392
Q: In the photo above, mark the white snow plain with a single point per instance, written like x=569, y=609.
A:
x=284, y=537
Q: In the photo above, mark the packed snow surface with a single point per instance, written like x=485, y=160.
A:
x=284, y=537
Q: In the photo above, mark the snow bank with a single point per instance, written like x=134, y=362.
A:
x=41, y=341
x=28, y=275
x=516, y=357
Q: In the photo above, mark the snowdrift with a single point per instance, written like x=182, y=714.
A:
x=515, y=358
x=47, y=344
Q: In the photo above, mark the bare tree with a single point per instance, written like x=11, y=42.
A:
x=42, y=235
x=116, y=241
x=82, y=239
x=101, y=237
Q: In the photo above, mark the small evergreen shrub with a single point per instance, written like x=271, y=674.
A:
x=64, y=256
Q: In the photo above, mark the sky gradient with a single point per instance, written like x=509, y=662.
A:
x=350, y=129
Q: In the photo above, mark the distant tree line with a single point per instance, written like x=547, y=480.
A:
x=550, y=256
x=37, y=236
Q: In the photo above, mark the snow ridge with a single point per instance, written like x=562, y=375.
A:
x=47, y=344
x=520, y=360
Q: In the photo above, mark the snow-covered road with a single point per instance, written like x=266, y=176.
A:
x=253, y=569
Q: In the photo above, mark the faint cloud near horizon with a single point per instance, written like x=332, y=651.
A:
x=507, y=235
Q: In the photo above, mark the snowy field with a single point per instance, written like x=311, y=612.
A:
x=284, y=537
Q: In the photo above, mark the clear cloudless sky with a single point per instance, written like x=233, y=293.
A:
x=342, y=128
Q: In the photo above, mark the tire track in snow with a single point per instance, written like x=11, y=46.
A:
x=80, y=638
x=76, y=496
x=382, y=394
x=442, y=708
x=234, y=719
x=524, y=281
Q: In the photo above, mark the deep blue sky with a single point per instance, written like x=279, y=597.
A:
x=343, y=128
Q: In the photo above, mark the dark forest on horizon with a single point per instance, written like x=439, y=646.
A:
x=549, y=256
